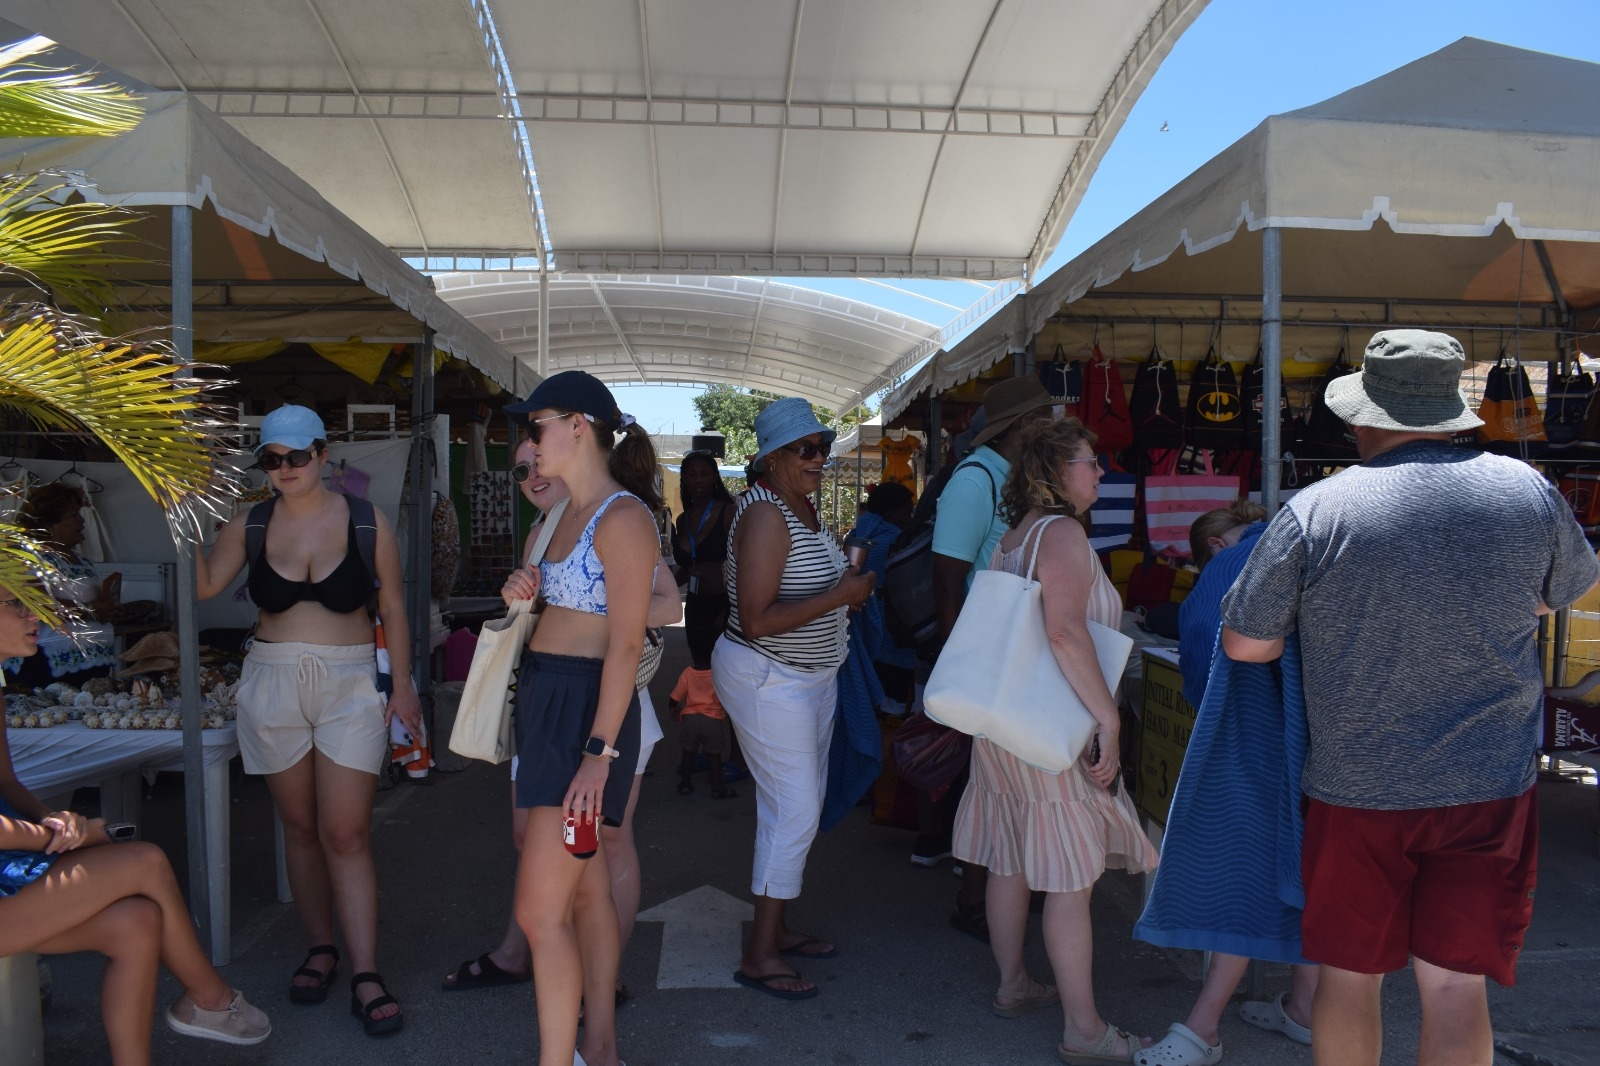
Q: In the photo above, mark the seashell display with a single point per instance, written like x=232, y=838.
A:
x=122, y=703
x=58, y=690
x=91, y=721
x=83, y=701
x=59, y=717
x=139, y=687
x=30, y=721
x=172, y=721
x=100, y=686
x=153, y=695
x=14, y=721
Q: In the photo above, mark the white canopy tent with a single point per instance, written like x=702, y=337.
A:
x=1351, y=213
x=696, y=330
x=900, y=137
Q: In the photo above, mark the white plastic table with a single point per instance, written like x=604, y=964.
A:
x=53, y=762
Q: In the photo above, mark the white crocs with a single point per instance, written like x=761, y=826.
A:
x=1180, y=1047
x=1270, y=1015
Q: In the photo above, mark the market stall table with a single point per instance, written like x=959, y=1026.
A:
x=55, y=761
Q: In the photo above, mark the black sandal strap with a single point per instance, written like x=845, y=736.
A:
x=367, y=979
x=323, y=949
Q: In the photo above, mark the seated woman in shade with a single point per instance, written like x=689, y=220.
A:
x=64, y=887
x=1235, y=774
x=54, y=513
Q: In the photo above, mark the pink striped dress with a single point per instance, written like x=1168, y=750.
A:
x=1062, y=831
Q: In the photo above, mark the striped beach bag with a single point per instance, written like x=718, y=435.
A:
x=1173, y=501
x=1111, y=518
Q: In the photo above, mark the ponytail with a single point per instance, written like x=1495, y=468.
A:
x=632, y=462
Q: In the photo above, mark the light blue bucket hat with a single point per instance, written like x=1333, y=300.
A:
x=784, y=422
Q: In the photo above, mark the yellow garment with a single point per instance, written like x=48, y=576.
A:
x=897, y=460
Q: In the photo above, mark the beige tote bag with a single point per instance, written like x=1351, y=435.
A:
x=483, y=724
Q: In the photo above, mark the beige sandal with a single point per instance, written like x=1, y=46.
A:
x=1104, y=1051
x=1038, y=995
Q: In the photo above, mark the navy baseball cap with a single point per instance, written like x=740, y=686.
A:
x=570, y=390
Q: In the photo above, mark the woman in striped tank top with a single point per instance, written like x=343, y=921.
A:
x=1055, y=833
x=775, y=670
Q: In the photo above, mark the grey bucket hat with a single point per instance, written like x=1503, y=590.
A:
x=1410, y=381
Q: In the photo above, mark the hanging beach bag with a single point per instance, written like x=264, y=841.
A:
x=1327, y=437
x=1566, y=405
x=1173, y=501
x=1063, y=379
x=1252, y=391
x=1018, y=698
x=655, y=642
x=1215, y=417
x=483, y=723
x=1154, y=408
x=1509, y=410
x=1105, y=404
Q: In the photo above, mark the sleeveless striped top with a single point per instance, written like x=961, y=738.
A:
x=814, y=566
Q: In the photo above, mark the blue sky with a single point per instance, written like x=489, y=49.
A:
x=1241, y=61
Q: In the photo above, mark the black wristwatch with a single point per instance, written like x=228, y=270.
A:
x=597, y=748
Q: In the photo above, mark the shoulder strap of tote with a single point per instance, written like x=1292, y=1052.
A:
x=546, y=531
x=1037, y=535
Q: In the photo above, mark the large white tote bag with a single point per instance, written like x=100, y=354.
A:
x=483, y=724
x=997, y=677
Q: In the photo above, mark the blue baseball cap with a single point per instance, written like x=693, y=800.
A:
x=293, y=427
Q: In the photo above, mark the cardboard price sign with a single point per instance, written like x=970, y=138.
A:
x=1167, y=725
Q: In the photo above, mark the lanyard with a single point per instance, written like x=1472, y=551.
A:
x=694, y=544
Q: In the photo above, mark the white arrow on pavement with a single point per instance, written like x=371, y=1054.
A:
x=701, y=938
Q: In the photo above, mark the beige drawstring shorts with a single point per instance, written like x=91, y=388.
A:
x=294, y=695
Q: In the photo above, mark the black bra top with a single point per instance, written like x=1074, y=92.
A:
x=713, y=545
x=348, y=588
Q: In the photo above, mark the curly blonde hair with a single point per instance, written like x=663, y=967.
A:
x=1034, y=482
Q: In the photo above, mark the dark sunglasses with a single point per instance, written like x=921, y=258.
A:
x=521, y=472
x=296, y=459
x=807, y=450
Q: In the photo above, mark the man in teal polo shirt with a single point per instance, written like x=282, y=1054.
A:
x=966, y=528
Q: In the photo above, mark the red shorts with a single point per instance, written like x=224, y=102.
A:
x=1452, y=886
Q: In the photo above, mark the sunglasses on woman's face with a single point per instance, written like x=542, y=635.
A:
x=296, y=459
x=535, y=426
x=807, y=450
x=521, y=472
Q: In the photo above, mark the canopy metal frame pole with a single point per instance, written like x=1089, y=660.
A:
x=421, y=508
x=544, y=318
x=1271, y=366
x=194, y=775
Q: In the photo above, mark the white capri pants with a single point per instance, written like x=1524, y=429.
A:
x=784, y=721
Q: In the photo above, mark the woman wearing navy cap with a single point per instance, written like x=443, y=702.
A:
x=577, y=714
x=311, y=718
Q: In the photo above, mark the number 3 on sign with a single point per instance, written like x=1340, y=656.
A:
x=1162, y=794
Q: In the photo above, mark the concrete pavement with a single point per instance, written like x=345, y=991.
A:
x=906, y=988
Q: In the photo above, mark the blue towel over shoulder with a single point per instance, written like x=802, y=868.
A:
x=1229, y=878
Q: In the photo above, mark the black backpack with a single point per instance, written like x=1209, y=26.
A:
x=1253, y=392
x=1157, y=416
x=1566, y=403
x=1327, y=437
x=909, y=610
x=1216, y=412
x=255, y=536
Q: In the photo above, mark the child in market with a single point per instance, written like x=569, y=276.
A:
x=702, y=726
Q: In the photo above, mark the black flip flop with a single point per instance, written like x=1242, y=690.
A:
x=318, y=992
x=489, y=975
x=798, y=950
x=764, y=984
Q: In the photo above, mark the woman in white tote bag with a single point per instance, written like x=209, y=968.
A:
x=1055, y=833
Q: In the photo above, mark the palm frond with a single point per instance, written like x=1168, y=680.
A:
x=26, y=572
x=59, y=248
x=40, y=101
x=129, y=395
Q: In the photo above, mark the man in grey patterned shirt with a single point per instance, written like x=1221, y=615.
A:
x=1415, y=582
